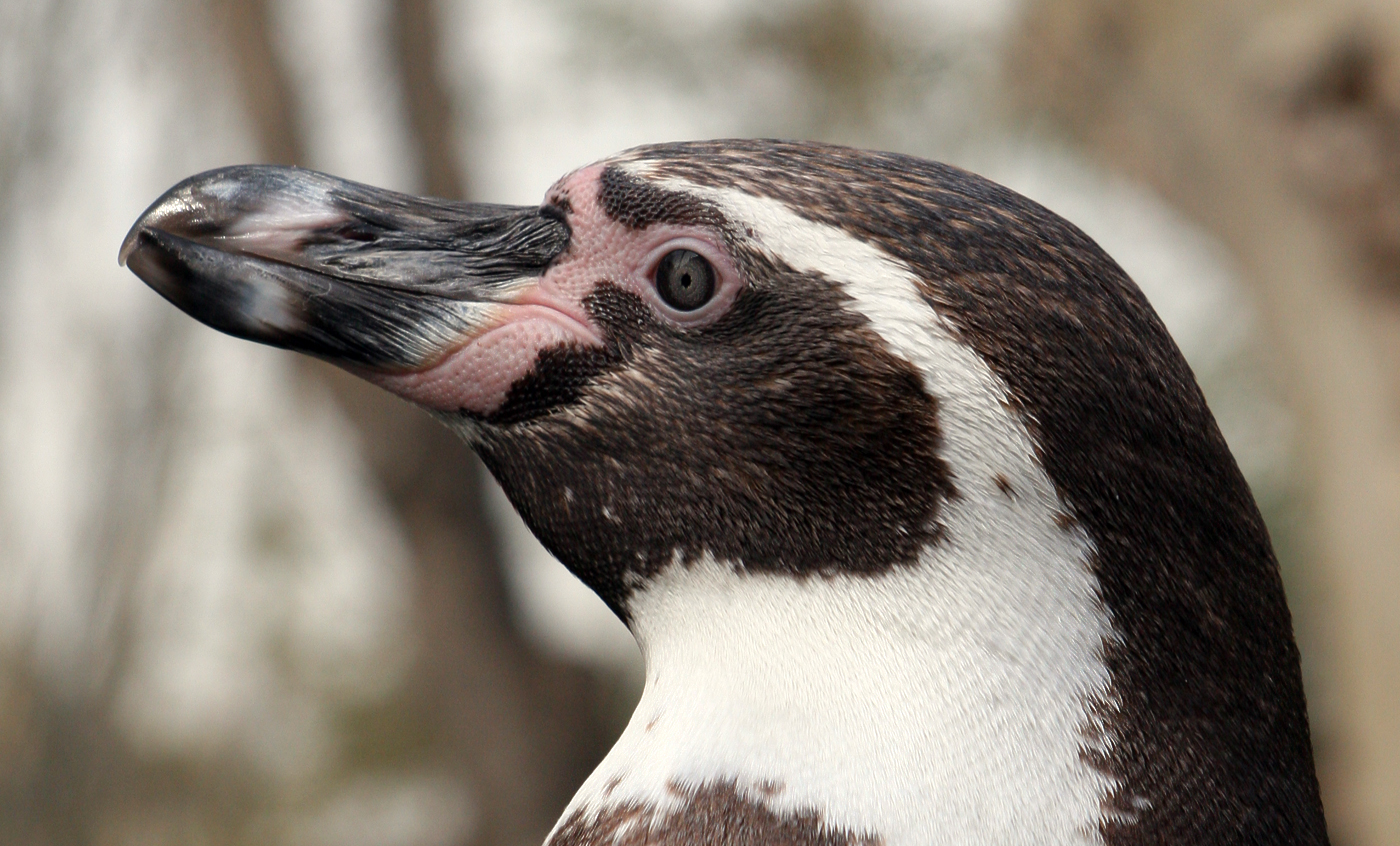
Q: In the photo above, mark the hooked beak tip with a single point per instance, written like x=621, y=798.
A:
x=133, y=236
x=177, y=211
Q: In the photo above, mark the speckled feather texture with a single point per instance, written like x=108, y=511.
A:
x=921, y=521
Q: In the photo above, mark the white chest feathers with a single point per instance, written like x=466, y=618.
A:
x=947, y=703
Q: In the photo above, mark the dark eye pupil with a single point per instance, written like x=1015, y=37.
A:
x=685, y=280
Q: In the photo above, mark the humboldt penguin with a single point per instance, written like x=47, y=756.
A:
x=916, y=512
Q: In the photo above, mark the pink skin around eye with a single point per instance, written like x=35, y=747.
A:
x=477, y=376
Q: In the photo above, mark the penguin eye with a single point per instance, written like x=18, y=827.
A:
x=685, y=280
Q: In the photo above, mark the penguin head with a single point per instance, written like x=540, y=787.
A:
x=652, y=371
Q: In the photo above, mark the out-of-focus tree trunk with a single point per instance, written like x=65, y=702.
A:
x=1238, y=113
x=522, y=730
x=267, y=94
x=415, y=39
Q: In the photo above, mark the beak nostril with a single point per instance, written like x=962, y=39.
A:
x=355, y=232
x=196, y=227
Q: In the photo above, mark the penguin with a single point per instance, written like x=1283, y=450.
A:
x=917, y=514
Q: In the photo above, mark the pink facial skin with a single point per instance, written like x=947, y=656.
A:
x=477, y=375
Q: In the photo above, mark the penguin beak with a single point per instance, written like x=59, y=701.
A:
x=377, y=281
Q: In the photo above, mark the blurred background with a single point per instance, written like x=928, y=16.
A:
x=246, y=599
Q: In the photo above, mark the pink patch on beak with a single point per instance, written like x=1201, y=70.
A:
x=477, y=376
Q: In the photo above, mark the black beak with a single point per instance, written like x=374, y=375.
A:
x=344, y=271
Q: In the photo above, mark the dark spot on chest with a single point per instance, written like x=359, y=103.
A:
x=714, y=814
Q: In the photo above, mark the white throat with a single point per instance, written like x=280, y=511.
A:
x=951, y=701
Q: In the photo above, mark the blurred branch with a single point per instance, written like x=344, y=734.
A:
x=414, y=34
x=481, y=700
x=516, y=714
x=270, y=102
